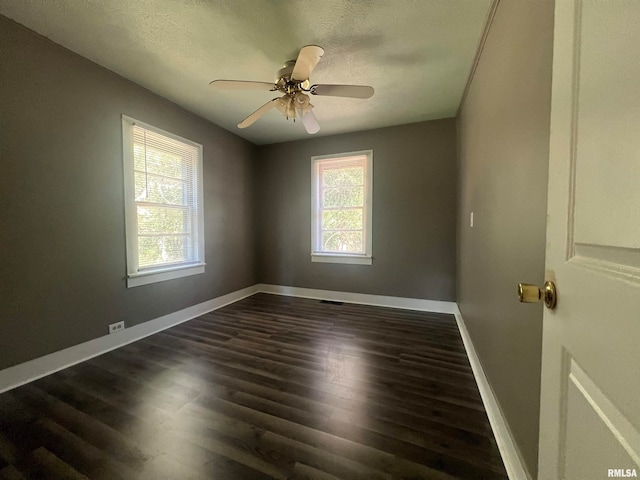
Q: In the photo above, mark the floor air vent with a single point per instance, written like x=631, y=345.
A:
x=331, y=302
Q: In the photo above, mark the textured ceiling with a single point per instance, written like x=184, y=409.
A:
x=417, y=54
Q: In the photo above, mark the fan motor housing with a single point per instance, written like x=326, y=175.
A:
x=284, y=82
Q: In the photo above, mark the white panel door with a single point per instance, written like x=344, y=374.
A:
x=590, y=404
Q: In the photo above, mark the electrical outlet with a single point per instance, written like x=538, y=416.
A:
x=116, y=327
x=471, y=220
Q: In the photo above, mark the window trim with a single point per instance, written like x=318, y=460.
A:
x=333, y=257
x=147, y=276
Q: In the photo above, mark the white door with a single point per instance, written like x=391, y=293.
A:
x=590, y=405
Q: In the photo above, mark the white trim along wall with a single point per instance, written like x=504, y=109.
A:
x=513, y=462
x=362, y=298
x=23, y=373
x=17, y=375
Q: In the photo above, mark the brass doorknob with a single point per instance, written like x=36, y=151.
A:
x=532, y=294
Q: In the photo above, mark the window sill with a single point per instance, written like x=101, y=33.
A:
x=342, y=258
x=160, y=275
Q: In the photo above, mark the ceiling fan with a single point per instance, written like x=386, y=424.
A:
x=293, y=81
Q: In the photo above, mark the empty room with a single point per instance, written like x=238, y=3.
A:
x=357, y=240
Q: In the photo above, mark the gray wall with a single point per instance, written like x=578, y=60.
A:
x=503, y=154
x=414, y=209
x=62, y=240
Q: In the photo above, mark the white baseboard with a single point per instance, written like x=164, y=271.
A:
x=509, y=451
x=435, y=306
x=23, y=373
x=17, y=375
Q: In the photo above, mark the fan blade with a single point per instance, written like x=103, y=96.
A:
x=351, y=91
x=258, y=113
x=241, y=85
x=309, y=121
x=308, y=58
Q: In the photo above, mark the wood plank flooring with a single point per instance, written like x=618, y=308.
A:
x=268, y=387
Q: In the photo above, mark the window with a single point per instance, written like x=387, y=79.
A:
x=342, y=187
x=163, y=204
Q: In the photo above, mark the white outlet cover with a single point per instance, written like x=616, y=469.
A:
x=116, y=327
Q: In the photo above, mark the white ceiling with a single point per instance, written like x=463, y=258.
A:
x=417, y=54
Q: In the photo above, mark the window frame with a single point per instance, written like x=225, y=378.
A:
x=136, y=277
x=318, y=255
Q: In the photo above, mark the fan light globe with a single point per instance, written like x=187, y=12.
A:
x=302, y=100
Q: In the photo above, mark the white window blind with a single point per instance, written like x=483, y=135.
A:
x=164, y=224
x=341, y=207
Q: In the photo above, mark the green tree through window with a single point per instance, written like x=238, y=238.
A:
x=341, y=209
x=164, y=219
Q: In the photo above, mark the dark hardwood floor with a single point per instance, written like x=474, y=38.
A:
x=268, y=387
